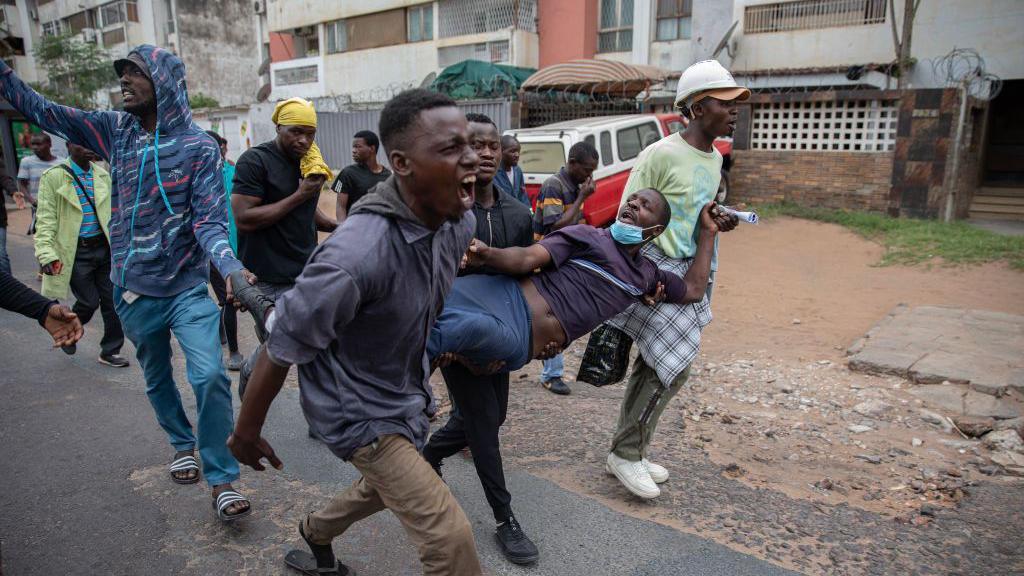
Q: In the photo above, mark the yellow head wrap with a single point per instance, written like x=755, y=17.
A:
x=300, y=112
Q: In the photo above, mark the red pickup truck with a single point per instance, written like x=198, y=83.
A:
x=618, y=139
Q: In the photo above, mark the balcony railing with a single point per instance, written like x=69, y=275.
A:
x=811, y=14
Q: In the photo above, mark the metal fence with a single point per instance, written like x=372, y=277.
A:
x=336, y=129
x=811, y=14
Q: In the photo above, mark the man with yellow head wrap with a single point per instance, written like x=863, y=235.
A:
x=274, y=198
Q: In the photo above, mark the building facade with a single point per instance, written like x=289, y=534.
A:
x=215, y=38
x=367, y=51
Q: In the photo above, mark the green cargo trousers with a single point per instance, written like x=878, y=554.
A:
x=642, y=406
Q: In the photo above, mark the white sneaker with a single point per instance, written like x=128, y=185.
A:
x=658, y=473
x=634, y=476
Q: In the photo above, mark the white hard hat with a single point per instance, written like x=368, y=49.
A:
x=707, y=78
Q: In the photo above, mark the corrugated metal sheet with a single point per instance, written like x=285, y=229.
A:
x=336, y=129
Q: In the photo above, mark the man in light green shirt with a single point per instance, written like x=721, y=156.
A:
x=686, y=168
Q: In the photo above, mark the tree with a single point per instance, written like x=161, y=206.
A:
x=902, y=45
x=200, y=100
x=75, y=70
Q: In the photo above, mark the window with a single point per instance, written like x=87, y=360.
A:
x=462, y=17
x=541, y=157
x=113, y=37
x=53, y=28
x=811, y=14
x=606, y=148
x=590, y=140
x=337, y=36
x=420, y=23
x=299, y=75
x=616, y=26
x=634, y=139
x=111, y=14
x=674, y=19
x=850, y=125
x=496, y=52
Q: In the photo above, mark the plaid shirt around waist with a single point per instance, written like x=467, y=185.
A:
x=666, y=335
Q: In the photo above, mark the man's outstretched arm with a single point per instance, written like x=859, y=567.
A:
x=94, y=130
x=264, y=385
x=514, y=261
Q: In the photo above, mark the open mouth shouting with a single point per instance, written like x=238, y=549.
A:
x=127, y=95
x=466, y=189
x=627, y=215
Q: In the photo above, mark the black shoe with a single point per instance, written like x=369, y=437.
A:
x=253, y=300
x=243, y=379
x=70, y=349
x=515, y=544
x=557, y=386
x=115, y=360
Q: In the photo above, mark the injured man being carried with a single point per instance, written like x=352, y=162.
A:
x=585, y=275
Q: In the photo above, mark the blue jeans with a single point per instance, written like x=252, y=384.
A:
x=194, y=320
x=5, y=262
x=485, y=319
x=553, y=368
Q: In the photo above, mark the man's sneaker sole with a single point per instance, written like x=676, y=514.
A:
x=520, y=560
x=632, y=490
x=663, y=479
x=106, y=362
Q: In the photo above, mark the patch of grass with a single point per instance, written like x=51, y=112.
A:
x=909, y=241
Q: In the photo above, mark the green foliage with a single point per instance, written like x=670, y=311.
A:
x=76, y=71
x=909, y=241
x=200, y=100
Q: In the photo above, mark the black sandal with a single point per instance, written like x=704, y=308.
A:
x=321, y=562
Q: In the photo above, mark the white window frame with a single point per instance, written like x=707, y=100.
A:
x=617, y=30
x=426, y=23
x=682, y=18
x=332, y=37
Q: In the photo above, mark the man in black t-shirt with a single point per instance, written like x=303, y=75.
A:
x=275, y=208
x=356, y=180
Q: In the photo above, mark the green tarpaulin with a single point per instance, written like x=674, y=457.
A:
x=471, y=79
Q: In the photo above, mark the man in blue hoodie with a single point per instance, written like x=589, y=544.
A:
x=169, y=221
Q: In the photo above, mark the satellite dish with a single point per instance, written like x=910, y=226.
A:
x=263, y=93
x=428, y=80
x=264, y=67
x=723, y=44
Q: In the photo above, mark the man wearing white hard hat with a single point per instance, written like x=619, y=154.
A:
x=686, y=168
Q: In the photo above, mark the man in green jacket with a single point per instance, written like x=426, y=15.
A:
x=73, y=244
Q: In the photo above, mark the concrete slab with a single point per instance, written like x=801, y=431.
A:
x=933, y=344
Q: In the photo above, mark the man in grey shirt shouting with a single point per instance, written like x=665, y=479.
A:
x=356, y=323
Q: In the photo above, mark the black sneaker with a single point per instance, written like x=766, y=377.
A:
x=515, y=544
x=115, y=360
x=557, y=386
x=253, y=300
x=70, y=349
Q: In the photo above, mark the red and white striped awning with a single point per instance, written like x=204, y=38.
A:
x=596, y=76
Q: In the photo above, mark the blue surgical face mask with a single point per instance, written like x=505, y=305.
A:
x=628, y=233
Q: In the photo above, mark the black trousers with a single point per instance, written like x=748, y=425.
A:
x=90, y=283
x=479, y=404
x=228, y=314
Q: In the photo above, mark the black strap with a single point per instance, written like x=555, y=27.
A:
x=85, y=192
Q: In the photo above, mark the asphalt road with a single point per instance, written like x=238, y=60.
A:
x=84, y=488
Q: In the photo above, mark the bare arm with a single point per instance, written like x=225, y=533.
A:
x=264, y=385
x=574, y=212
x=341, y=209
x=323, y=222
x=514, y=261
x=251, y=215
x=696, y=277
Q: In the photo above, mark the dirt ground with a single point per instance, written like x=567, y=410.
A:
x=766, y=451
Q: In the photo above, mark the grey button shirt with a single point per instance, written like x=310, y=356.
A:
x=357, y=322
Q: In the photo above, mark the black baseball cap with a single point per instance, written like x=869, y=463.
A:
x=133, y=58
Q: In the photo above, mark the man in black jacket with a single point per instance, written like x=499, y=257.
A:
x=57, y=319
x=479, y=402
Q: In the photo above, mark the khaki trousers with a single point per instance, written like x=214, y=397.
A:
x=642, y=406
x=396, y=477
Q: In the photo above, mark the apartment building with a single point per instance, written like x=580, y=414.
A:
x=369, y=50
x=668, y=34
x=216, y=38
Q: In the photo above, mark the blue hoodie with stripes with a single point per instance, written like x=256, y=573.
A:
x=168, y=211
